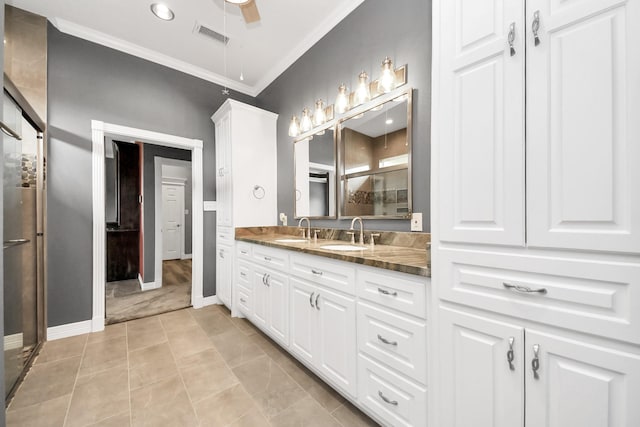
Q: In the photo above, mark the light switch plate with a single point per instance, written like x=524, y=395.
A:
x=416, y=221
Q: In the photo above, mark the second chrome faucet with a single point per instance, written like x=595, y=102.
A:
x=361, y=228
x=308, y=236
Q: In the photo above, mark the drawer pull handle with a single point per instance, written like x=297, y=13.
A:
x=386, y=292
x=535, y=26
x=317, y=305
x=510, y=355
x=311, y=299
x=243, y=252
x=524, y=289
x=243, y=274
x=386, y=341
x=319, y=273
x=266, y=279
x=387, y=400
x=535, y=362
x=243, y=300
x=267, y=258
x=222, y=254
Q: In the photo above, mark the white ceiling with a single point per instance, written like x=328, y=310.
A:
x=261, y=51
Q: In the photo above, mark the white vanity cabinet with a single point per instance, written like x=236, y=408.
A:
x=246, y=179
x=536, y=236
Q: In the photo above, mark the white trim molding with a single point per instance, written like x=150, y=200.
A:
x=99, y=131
x=70, y=330
x=13, y=342
x=186, y=256
x=149, y=286
x=210, y=206
x=212, y=300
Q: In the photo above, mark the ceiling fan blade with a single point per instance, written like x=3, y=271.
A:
x=250, y=12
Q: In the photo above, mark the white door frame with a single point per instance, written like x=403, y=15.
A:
x=99, y=130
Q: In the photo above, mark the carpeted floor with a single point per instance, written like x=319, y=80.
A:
x=125, y=301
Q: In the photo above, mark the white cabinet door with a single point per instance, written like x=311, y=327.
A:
x=336, y=338
x=223, y=175
x=583, y=132
x=478, y=386
x=224, y=272
x=278, y=309
x=304, y=320
x=260, y=298
x=481, y=122
x=580, y=384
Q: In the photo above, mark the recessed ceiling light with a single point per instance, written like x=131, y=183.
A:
x=389, y=121
x=162, y=11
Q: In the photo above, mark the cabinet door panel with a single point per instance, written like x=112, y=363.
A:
x=278, y=311
x=481, y=146
x=224, y=274
x=223, y=169
x=583, y=132
x=337, y=339
x=478, y=387
x=580, y=384
x=260, y=298
x=303, y=320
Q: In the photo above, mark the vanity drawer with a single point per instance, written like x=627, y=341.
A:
x=225, y=236
x=394, y=399
x=243, y=250
x=394, y=339
x=336, y=275
x=244, y=276
x=395, y=290
x=244, y=302
x=587, y=295
x=271, y=257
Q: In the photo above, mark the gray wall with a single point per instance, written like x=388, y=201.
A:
x=2, y=422
x=150, y=153
x=91, y=82
x=377, y=28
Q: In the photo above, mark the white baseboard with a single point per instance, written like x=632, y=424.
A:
x=149, y=286
x=186, y=256
x=69, y=330
x=212, y=300
x=12, y=342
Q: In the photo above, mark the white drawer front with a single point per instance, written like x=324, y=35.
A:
x=244, y=276
x=394, y=339
x=337, y=275
x=392, y=398
x=244, y=302
x=243, y=250
x=601, y=298
x=271, y=257
x=225, y=235
x=396, y=290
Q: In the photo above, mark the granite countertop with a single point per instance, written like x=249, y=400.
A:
x=398, y=251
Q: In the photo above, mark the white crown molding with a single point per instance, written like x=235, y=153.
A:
x=312, y=38
x=103, y=39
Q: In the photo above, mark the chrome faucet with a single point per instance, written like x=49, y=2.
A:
x=308, y=236
x=361, y=228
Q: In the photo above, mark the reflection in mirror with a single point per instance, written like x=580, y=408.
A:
x=315, y=176
x=375, y=166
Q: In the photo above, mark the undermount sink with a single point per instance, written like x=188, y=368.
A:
x=290, y=240
x=343, y=248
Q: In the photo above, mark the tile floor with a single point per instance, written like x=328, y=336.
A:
x=183, y=368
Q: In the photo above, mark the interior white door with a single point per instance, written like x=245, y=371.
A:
x=481, y=124
x=481, y=385
x=583, y=132
x=172, y=221
x=580, y=384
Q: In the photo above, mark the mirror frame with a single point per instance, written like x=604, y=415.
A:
x=383, y=99
x=328, y=126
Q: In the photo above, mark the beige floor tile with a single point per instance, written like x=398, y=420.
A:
x=350, y=416
x=271, y=388
x=214, y=323
x=189, y=341
x=305, y=413
x=162, y=404
x=120, y=420
x=99, y=396
x=110, y=332
x=205, y=374
x=225, y=407
x=177, y=320
x=46, y=414
x=253, y=418
x=244, y=325
x=61, y=349
x=47, y=381
x=144, y=333
x=326, y=396
x=103, y=355
x=236, y=348
x=151, y=364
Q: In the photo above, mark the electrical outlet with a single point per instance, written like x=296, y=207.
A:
x=416, y=221
x=283, y=218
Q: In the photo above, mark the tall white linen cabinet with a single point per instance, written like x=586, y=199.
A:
x=536, y=213
x=246, y=180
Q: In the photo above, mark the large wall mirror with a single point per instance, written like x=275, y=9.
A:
x=375, y=160
x=315, y=175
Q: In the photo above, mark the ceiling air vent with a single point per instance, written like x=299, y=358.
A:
x=208, y=32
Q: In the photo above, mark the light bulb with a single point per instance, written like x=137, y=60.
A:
x=294, y=127
x=319, y=116
x=363, y=94
x=387, y=81
x=342, y=100
x=305, y=121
